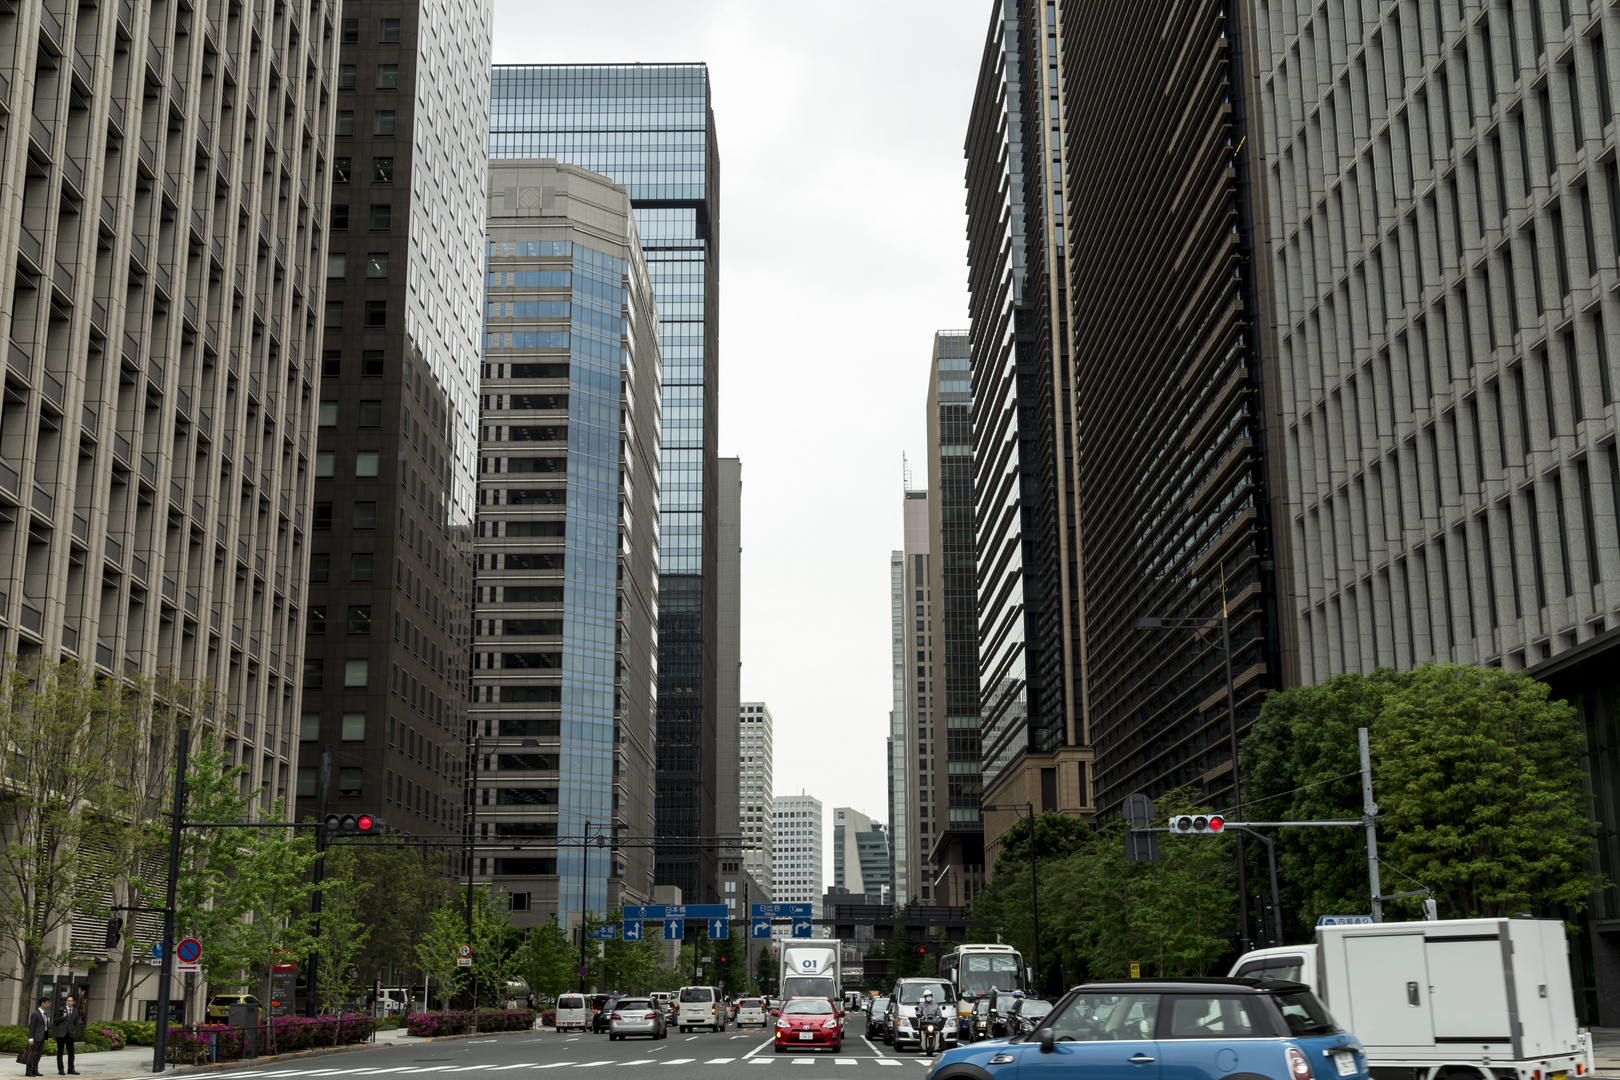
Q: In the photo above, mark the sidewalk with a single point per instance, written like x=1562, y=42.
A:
x=137, y=1060
x=1606, y=1050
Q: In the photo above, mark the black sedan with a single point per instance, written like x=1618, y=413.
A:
x=876, y=1011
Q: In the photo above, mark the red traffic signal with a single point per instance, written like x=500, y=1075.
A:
x=1197, y=824
x=350, y=825
x=365, y=823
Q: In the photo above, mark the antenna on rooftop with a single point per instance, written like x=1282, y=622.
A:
x=905, y=469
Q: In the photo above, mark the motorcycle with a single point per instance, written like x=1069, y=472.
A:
x=979, y=1027
x=932, y=1037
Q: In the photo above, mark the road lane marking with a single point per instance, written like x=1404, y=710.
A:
x=872, y=1046
x=845, y=1061
x=758, y=1048
x=642, y=1061
x=803, y=1061
x=591, y=1064
x=551, y=1065
x=719, y=1061
x=888, y=1061
x=689, y=1038
x=680, y=1061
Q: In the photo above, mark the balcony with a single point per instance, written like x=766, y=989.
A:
x=104, y=654
x=148, y=156
x=115, y=116
x=62, y=278
x=98, y=316
x=29, y=247
x=73, y=174
x=40, y=135
x=33, y=619
x=109, y=214
x=81, y=528
x=148, y=469
x=52, y=386
x=42, y=502
x=51, y=27
x=9, y=480
x=84, y=71
x=20, y=362
x=88, y=419
x=115, y=551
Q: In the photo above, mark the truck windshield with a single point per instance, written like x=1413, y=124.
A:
x=1304, y=1013
x=808, y=986
x=911, y=993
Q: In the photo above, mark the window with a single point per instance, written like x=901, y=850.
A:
x=351, y=31
x=1106, y=1018
x=349, y=781
x=323, y=517
x=354, y=673
x=382, y=170
x=334, y=314
x=320, y=563
x=360, y=566
x=346, y=71
x=316, y=622
x=388, y=31
x=382, y=216
x=371, y=363
x=340, y=169
x=306, y=781
x=325, y=460
x=366, y=463
x=354, y=727
x=1204, y=1017
x=365, y=515
x=314, y=674
x=328, y=414
x=359, y=618
x=377, y=265
x=340, y=217
x=337, y=264
x=370, y=413
x=345, y=122
x=309, y=726
x=382, y=122
x=376, y=313
x=388, y=76
x=331, y=364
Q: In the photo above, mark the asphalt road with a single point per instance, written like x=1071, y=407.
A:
x=678, y=1057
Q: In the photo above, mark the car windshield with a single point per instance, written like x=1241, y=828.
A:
x=1034, y=1009
x=810, y=1006
x=697, y=994
x=880, y=1004
x=1304, y=1014
x=982, y=1006
x=912, y=993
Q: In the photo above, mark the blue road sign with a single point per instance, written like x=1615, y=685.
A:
x=157, y=950
x=606, y=933
x=718, y=929
x=778, y=911
x=632, y=930
x=760, y=928
x=801, y=927
x=674, y=930
x=1343, y=920
x=680, y=911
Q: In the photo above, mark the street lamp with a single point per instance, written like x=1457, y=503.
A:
x=1154, y=622
x=1034, y=900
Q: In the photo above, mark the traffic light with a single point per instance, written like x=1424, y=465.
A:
x=350, y=825
x=115, y=930
x=1197, y=825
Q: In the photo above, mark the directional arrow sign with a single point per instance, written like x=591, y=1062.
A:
x=801, y=927
x=778, y=911
x=674, y=930
x=761, y=928
x=632, y=930
x=717, y=929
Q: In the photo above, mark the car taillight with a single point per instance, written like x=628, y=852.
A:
x=616, y=1016
x=1298, y=1067
x=650, y=1016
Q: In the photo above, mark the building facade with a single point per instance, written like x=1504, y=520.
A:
x=896, y=743
x=1444, y=206
x=163, y=176
x=1176, y=493
x=948, y=727
x=860, y=853
x=389, y=620
x=1032, y=726
x=651, y=128
x=565, y=643
x=756, y=798
x=798, y=851
x=730, y=812
x=913, y=881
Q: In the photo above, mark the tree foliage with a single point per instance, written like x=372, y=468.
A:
x=548, y=960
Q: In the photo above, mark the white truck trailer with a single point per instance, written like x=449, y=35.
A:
x=810, y=968
x=1459, y=999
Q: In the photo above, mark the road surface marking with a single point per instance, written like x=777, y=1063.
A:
x=845, y=1061
x=803, y=1061
x=642, y=1061
x=888, y=1061
x=497, y=1068
x=591, y=1064
x=719, y=1061
x=758, y=1048
x=872, y=1046
x=689, y=1038
x=680, y=1061
x=551, y=1065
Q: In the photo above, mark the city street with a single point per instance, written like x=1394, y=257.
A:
x=678, y=1057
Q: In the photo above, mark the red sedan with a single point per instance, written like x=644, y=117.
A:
x=811, y=1022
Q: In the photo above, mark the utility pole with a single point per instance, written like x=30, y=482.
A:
x=1237, y=792
x=472, y=818
x=160, y=1037
x=312, y=998
x=1034, y=899
x=585, y=859
x=1369, y=810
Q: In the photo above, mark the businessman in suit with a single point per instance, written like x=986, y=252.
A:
x=69, y=1022
x=39, y=1025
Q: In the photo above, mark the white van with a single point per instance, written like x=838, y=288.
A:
x=572, y=1013
x=701, y=1006
x=394, y=1000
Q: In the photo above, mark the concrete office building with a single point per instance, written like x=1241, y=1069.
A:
x=1173, y=465
x=1442, y=275
x=798, y=851
x=947, y=727
x=564, y=665
x=730, y=813
x=757, y=803
x=912, y=878
x=1032, y=723
x=390, y=578
x=651, y=128
x=860, y=853
x=895, y=745
x=163, y=175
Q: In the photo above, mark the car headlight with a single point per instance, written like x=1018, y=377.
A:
x=783, y=1025
x=903, y=1021
x=830, y=1023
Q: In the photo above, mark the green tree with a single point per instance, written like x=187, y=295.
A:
x=340, y=937
x=632, y=966
x=210, y=898
x=271, y=876
x=406, y=885
x=548, y=959
x=436, y=952
x=495, y=943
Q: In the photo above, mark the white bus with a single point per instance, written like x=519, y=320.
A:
x=973, y=970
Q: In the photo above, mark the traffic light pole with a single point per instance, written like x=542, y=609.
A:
x=312, y=997
x=160, y=1033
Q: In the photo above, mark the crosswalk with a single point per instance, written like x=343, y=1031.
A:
x=608, y=1064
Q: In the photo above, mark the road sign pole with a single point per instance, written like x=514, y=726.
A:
x=1370, y=810
x=160, y=1035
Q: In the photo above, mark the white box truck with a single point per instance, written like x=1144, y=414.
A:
x=810, y=968
x=1459, y=999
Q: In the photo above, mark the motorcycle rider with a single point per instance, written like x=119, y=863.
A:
x=930, y=1010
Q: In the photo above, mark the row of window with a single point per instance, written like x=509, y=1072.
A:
x=366, y=463
x=360, y=566
x=371, y=364
x=364, y=516
x=359, y=619
x=337, y=264
x=376, y=313
x=387, y=33
x=382, y=170
x=370, y=413
x=383, y=122
x=387, y=75
x=356, y=673
x=380, y=216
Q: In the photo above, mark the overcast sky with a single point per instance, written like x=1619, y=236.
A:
x=841, y=124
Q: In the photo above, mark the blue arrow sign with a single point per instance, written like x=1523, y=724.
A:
x=632, y=930
x=761, y=928
x=778, y=911
x=718, y=929
x=801, y=927
x=680, y=911
x=674, y=930
x=157, y=950
x=606, y=933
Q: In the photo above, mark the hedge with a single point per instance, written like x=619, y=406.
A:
x=14, y=1039
x=433, y=1024
x=287, y=1033
x=135, y=1032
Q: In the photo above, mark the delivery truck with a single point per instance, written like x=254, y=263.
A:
x=1458, y=999
x=810, y=968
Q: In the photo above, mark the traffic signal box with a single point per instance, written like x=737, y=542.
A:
x=1197, y=825
x=350, y=825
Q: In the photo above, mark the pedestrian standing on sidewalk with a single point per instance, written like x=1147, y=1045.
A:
x=39, y=1026
x=69, y=1025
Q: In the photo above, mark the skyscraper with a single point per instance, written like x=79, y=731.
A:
x=798, y=851
x=1176, y=482
x=1032, y=721
x=895, y=745
x=731, y=811
x=390, y=563
x=651, y=128
x=756, y=745
x=565, y=644
x=912, y=879
x=860, y=853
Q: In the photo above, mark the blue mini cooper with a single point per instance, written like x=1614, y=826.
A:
x=1171, y=1029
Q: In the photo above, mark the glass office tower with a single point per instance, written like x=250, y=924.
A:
x=651, y=128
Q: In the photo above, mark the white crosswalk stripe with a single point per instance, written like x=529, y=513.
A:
x=888, y=1061
x=680, y=1061
x=591, y=1064
x=643, y=1061
x=845, y=1061
x=719, y=1061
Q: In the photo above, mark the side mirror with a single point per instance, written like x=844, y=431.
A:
x=1046, y=1038
x=776, y=1012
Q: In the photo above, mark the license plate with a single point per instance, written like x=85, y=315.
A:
x=1558, y=1076
x=806, y=1036
x=1345, y=1061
